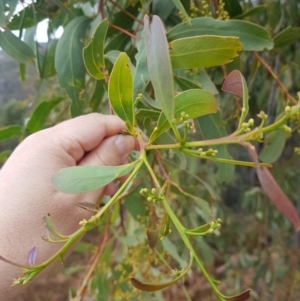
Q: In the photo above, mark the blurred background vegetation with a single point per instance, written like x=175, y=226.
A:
x=256, y=246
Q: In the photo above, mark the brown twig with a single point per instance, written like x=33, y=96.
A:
x=101, y=9
x=124, y=31
x=276, y=78
x=216, y=7
x=103, y=240
x=126, y=12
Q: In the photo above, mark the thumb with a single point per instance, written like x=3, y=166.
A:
x=112, y=151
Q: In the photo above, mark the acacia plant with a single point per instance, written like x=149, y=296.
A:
x=148, y=58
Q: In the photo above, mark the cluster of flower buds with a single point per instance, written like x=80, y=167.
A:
x=208, y=153
x=263, y=116
x=187, y=122
x=205, y=9
x=139, y=97
x=214, y=225
x=151, y=196
x=221, y=13
x=246, y=126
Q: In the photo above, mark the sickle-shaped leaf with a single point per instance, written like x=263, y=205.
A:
x=15, y=48
x=195, y=103
x=69, y=62
x=245, y=295
x=120, y=91
x=80, y=179
x=152, y=287
x=203, y=51
x=159, y=65
x=273, y=191
x=235, y=84
x=93, y=53
x=252, y=36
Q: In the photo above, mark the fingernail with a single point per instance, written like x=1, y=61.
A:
x=124, y=144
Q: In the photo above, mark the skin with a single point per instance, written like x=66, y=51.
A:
x=26, y=193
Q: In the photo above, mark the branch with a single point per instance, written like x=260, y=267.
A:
x=276, y=78
x=101, y=246
x=126, y=12
x=124, y=31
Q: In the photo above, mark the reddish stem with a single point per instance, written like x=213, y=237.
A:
x=276, y=78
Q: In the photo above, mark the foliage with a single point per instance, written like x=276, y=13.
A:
x=145, y=61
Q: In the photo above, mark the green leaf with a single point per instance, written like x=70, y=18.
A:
x=159, y=65
x=185, y=84
x=149, y=287
x=166, y=138
x=287, y=37
x=252, y=36
x=48, y=68
x=69, y=62
x=4, y=155
x=148, y=101
x=120, y=91
x=93, y=53
x=233, y=7
x=203, y=51
x=273, y=147
x=195, y=103
x=40, y=114
x=141, y=75
x=10, y=6
x=212, y=127
x=2, y=14
x=206, y=82
x=251, y=12
x=144, y=113
x=10, y=131
x=181, y=8
x=173, y=251
x=80, y=179
x=28, y=17
x=97, y=96
x=198, y=77
x=15, y=48
x=133, y=203
x=163, y=9
x=201, y=230
x=22, y=69
x=51, y=228
x=235, y=84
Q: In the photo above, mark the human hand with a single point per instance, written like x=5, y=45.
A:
x=26, y=193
